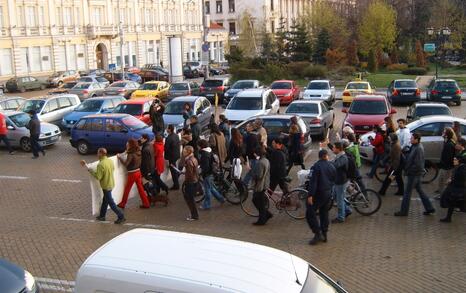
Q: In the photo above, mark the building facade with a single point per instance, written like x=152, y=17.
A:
x=38, y=37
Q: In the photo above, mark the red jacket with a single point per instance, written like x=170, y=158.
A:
x=378, y=144
x=159, y=157
x=3, y=129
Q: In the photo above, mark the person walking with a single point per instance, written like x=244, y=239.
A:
x=252, y=143
x=196, y=134
x=261, y=131
x=404, y=134
x=206, y=161
x=159, y=168
x=133, y=165
x=321, y=181
x=235, y=148
x=172, y=154
x=218, y=143
x=225, y=128
x=446, y=159
x=156, y=116
x=351, y=147
x=396, y=167
x=390, y=125
x=454, y=196
x=34, y=133
x=4, y=133
x=187, y=113
x=104, y=174
x=461, y=147
x=278, y=162
x=295, y=148
x=341, y=182
x=379, y=150
x=414, y=169
x=147, y=166
x=260, y=174
x=191, y=179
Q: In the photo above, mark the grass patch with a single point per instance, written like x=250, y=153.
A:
x=382, y=80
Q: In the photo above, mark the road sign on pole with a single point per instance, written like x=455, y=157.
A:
x=429, y=47
x=205, y=47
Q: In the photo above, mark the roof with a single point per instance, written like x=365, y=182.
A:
x=438, y=118
x=308, y=102
x=185, y=99
x=103, y=98
x=53, y=96
x=252, y=93
x=358, y=81
x=404, y=79
x=137, y=101
x=109, y=115
x=6, y=98
x=154, y=81
x=430, y=104
x=247, y=80
x=283, y=80
x=370, y=97
x=445, y=79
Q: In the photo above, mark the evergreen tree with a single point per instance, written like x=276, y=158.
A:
x=372, y=61
x=299, y=46
x=281, y=37
x=321, y=46
x=268, y=48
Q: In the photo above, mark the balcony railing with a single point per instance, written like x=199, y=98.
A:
x=102, y=31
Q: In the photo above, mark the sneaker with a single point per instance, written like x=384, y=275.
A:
x=120, y=221
x=317, y=238
x=34, y=157
x=12, y=152
x=258, y=223
x=191, y=219
x=144, y=207
x=43, y=153
x=430, y=212
x=203, y=208
x=400, y=214
x=100, y=219
x=437, y=197
x=337, y=221
x=445, y=220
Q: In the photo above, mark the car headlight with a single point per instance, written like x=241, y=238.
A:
x=30, y=281
x=227, y=94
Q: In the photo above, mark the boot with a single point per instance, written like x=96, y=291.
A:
x=317, y=238
x=324, y=236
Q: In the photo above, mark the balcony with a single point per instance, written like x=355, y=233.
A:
x=94, y=32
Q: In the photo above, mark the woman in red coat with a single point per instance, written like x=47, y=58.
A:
x=159, y=164
x=379, y=149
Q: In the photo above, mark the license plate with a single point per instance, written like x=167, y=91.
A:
x=446, y=98
x=210, y=95
x=53, y=139
x=406, y=94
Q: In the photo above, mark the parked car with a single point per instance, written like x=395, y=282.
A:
x=18, y=134
x=122, y=88
x=53, y=108
x=279, y=126
x=215, y=70
x=61, y=77
x=190, y=72
x=140, y=270
x=422, y=109
x=174, y=111
x=183, y=88
x=22, y=84
x=354, y=88
x=14, y=279
x=196, y=65
x=132, y=69
x=431, y=129
x=403, y=91
x=252, y=102
x=64, y=88
x=239, y=86
x=366, y=111
x=286, y=91
x=110, y=131
x=91, y=106
x=153, y=89
x=117, y=76
x=153, y=72
x=138, y=108
x=322, y=90
x=444, y=90
x=212, y=87
x=86, y=90
x=92, y=72
x=98, y=79
x=317, y=113
x=10, y=103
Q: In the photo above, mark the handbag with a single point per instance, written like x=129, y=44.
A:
x=237, y=169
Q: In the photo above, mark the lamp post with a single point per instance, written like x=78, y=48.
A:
x=440, y=36
x=204, y=39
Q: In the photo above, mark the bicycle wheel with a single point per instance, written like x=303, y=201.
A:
x=248, y=206
x=199, y=196
x=231, y=192
x=381, y=173
x=294, y=203
x=431, y=173
x=366, y=204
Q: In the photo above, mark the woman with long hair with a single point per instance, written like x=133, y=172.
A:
x=235, y=149
x=217, y=142
x=396, y=167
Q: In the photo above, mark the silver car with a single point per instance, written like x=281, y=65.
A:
x=183, y=88
x=322, y=90
x=317, y=113
x=430, y=128
x=18, y=134
x=122, y=88
x=10, y=103
x=99, y=79
x=85, y=90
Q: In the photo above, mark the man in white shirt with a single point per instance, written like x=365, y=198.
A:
x=404, y=134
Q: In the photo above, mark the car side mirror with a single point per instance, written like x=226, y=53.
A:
x=9, y=127
x=409, y=116
x=330, y=108
x=344, y=110
x=124, y=130
x=392, y=111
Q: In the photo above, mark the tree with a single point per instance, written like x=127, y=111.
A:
x=420, y=56
x=298, y=44
x=268, y=48
x=372, y=61
x=352, y=53
x=334, y=57
x=321, y=46
x=281, y=37
x=378, y=30
x=247, y=36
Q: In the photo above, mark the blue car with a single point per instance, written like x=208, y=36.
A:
x=110, y=131
x=89, y=107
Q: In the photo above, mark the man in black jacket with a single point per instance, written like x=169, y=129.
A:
x=278, y=164
x=196, y=131
x=34, y=130
x=446, y=160
x=172, y=154
x=252, y=143
x=341, y=182
x=321, y=181
x=156, y=116
x=147, y=163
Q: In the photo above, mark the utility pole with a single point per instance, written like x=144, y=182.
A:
x=204, y=40
x=122, y=59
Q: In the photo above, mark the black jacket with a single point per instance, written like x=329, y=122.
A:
x=205, y=162
x=321, y=180
x=448, y=153
x=252, y=142
x=34, y=126
x=415, y=162
x=234, y=151
x=172, y=148
x=278, y=164
x=156, y=116
x=341, y=166
x=147, y=160
x=196, y=132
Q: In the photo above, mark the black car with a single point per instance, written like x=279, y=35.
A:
x=444, y=90
x=190, y=72
x=403, y=91
x=153, y=74
x=14, y=279
x=212, y=87
x=422, y=109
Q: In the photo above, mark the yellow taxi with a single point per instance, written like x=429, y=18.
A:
x=152, y=89
x=354, y=88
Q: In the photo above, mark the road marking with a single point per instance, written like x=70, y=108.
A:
x=55, y=284
x=13, y=177
x=66, y=180
x=151, y=226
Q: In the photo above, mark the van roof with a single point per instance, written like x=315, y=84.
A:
x=216, y=262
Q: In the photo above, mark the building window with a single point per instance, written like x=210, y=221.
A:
x=97, y=16
x=207, y=7
x=232, y=26
x=41, y=16
x=231, y=5
x=272, y=27
x=77, y=16
x=35, y=61
x=6, y=61
x=67, y=21
x=271, y=5
x=46, y=58
x=30, y=16
x=218, y=6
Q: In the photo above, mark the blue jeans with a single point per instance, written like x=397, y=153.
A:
x=108, y=201
x=248, y=175
x=375, y=164
x=209, y=189
x=414, y=182
x=7, y=143
x=35, y=146
x=343, y=208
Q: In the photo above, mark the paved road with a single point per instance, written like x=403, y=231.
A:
x=47, y=227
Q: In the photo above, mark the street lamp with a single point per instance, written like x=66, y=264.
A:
x=441, y=35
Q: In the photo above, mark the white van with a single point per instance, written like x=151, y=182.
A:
x=146, y=260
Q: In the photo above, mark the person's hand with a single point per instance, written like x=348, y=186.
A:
x=310, y=200
x=83, y=163
x=322, y=145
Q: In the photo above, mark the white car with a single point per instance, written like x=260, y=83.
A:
x=321, y=90
x=18, y=134
x=149, y=260
x=252, y=102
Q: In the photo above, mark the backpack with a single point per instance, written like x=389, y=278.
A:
x=351, y=171
x=214, y=163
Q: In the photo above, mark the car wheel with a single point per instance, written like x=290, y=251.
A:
x=25, y=144
x=83, y=147
x=42, y=87
x=22, y=89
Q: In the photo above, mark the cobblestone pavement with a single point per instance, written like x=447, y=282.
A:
x=47, y=227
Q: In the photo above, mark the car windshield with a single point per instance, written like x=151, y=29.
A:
x=368, y=107
x=317, y=85
x=118, y=84
x=179, y=87
x=21, y=119
x=428, y=111
x=281, y=86
x=32, y=105
x=133, y=123
x=316, y=281
x=306, y=108
x=357, y=86
x=445, y=84
x=241, y=85
x=85, y=79
x=132, y=109
x=81, y=86
x=245, y=103
x=101, y=79
x=89, y=106
x=57, y=74
x=212, y=83
x=69, y=85
x=149, y=86
x=175, y=107
x=405, y=84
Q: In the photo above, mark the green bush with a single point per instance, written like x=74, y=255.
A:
x=315, y=71
x=415, y=71
x=273, y=71
x=246, y=73
x=296, y=69
x=345, y=70
x=397, y=67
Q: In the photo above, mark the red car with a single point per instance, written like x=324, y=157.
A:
x=286, y=91
x=138, y=108
x=366, y=111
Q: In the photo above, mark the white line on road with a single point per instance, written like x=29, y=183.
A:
x=55, y=284
x=151, y=226
x=66, y=180
x=13, y=177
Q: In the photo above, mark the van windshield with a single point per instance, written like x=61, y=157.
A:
x=32, y=105
x=316, y=281
x=245, y=103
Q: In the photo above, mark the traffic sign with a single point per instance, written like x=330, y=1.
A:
x=429, y=47
x=205, y=47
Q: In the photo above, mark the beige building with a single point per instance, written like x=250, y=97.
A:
x=38, y=37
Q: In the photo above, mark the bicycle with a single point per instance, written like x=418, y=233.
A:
x=365, y=202
x=431, y=172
